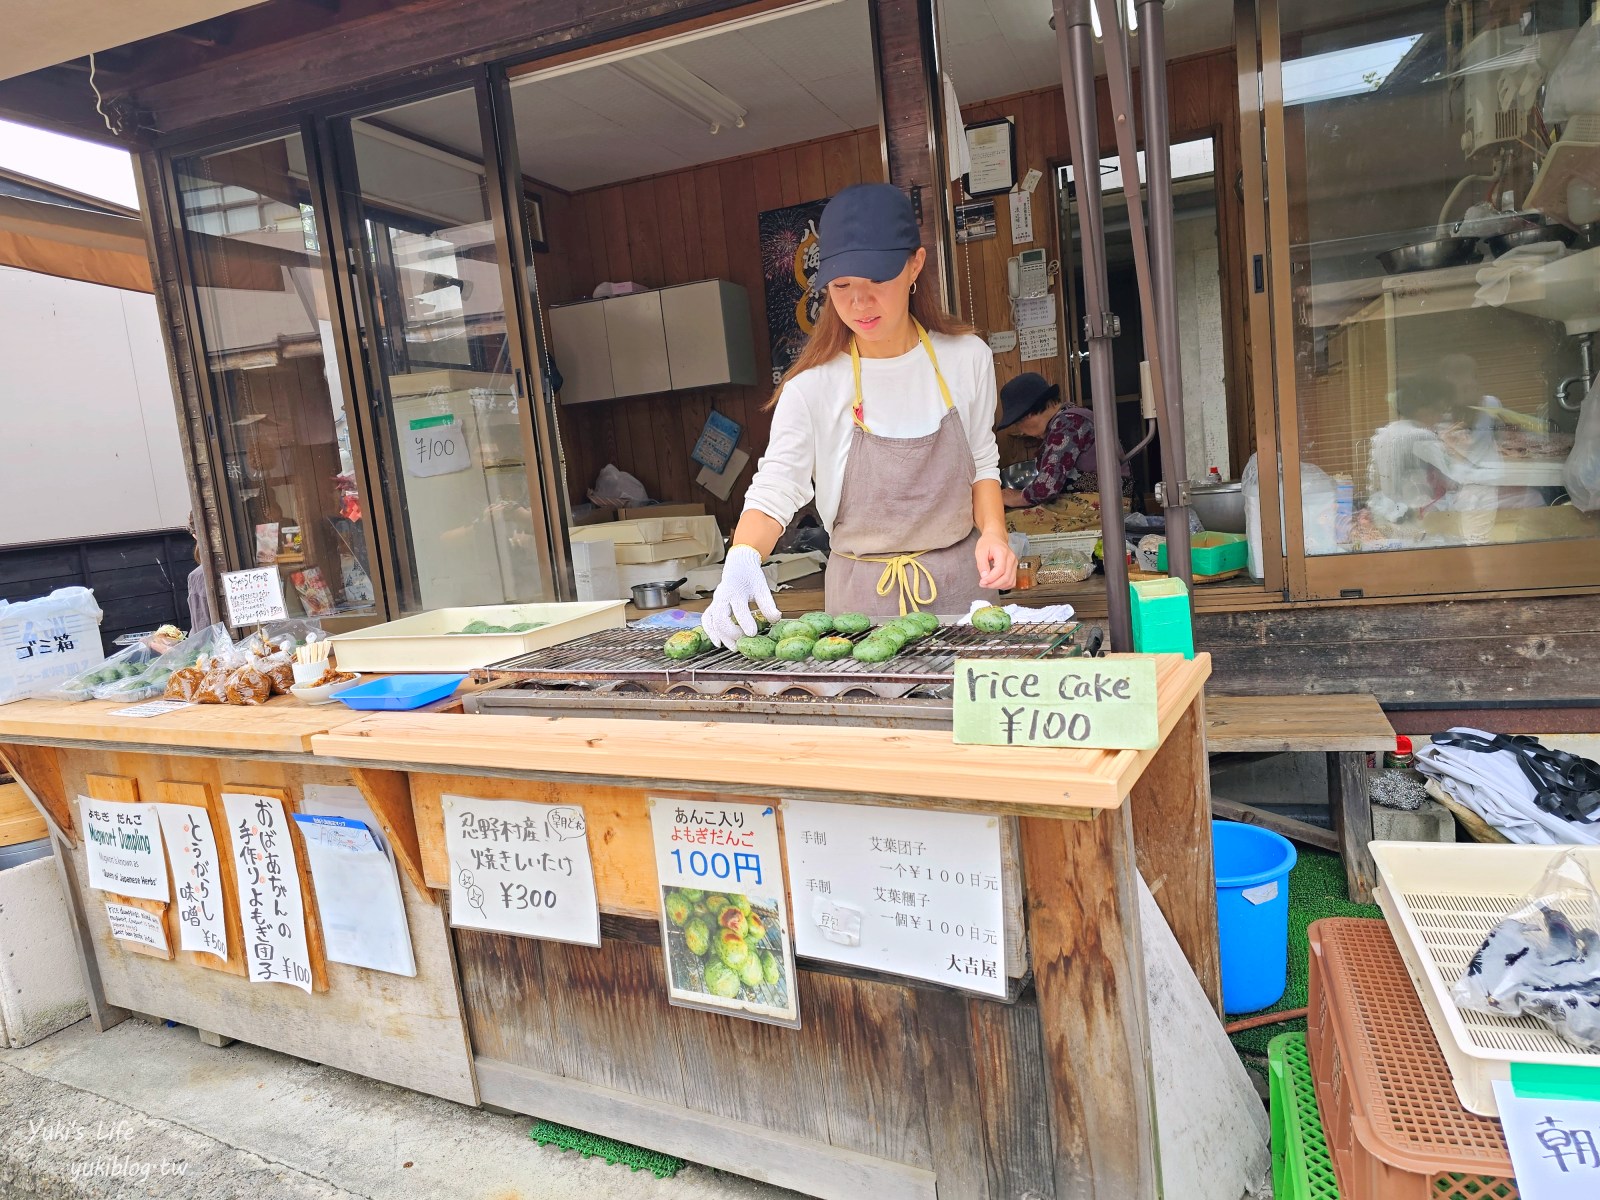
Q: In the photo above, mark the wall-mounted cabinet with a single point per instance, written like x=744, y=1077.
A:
x=695, y=335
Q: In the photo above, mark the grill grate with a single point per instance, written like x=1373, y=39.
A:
x=634, y=656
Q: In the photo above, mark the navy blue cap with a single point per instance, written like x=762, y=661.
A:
x=868, y=231
x=1022, y=395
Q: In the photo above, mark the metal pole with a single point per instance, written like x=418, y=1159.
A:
x=1075, y=46
x=1158, y=174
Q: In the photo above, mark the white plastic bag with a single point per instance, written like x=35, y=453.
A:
x=1581, y=475
x=614, y=488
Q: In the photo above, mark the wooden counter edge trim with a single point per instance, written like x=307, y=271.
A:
x=253, y=728
x=829, y=1172
x=388, y=794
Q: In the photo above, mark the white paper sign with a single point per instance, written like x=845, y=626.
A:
x=1034, y=312
x=1021, y=218
x=1003, y=341
x=989, y=149
x=1038, y=343
x=436, y=446
x=1031, y=179
x=123, y=842
x=135, y=925
x=254, y=596
x=724, y=928
x=523, y=868
x=268, y=875
x=927, y=886
x=1554, y=1144
x=192, y=846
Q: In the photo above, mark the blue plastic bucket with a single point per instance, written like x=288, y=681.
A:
x=1252, y=866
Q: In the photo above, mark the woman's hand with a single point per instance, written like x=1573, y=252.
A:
x=728, y=617
x=997, y=563
x=1012, y=498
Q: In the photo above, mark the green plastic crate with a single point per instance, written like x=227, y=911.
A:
x=1212, y=553
x=1301, y=1166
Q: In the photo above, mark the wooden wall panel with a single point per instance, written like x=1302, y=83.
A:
x=677, y=228
x=1203, y=100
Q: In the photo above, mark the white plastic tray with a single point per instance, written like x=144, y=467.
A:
x=425, y=642
x=1441, y=901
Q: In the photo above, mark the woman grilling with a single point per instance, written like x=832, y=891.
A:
x=885, y=421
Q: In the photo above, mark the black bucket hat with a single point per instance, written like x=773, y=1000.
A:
x=1022, y=395
x=867, y=231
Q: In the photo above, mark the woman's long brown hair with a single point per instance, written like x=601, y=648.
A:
x=830, y=337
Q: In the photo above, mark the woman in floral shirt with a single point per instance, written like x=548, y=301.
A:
x=1030, y=405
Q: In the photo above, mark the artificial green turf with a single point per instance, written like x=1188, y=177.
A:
x=592, y=1145
x=1316, y=890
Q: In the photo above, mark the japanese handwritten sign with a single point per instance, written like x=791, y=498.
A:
x=254, y=596
x=268, y=877
x=523, y=868
x=888, y=889
x=123, y=843
x=192, y=846
x=135, y=925
x=1099, y=703
x=436, y=446
x=1554, y=1144
x=725, y=927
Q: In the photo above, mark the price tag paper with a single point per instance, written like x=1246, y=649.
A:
x=724, y=929
x=523, y=868
x=909, y=893
x=268, y=878
x=193, y=847
x=436, y=446
x=123, y=845
x=1089, y=703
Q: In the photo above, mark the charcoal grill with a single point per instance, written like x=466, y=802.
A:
x=623, y=672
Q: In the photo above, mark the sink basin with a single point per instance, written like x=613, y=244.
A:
x=1567, y=290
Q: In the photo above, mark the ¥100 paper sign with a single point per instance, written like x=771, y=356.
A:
x=724, y=925
x=123, y=847
x=193, y=848
x=270, y=906
x=520, y=867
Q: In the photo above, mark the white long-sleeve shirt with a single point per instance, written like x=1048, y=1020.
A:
x=811, y=425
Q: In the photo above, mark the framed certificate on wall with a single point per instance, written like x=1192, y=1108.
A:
x=992, y=149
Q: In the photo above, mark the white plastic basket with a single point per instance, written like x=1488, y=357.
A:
x=1441, y=901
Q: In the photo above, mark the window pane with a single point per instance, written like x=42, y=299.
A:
x=282, y=418
x=467, y=528
x=1430, y=354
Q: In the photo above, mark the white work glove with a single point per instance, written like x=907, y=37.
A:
x=728, y=617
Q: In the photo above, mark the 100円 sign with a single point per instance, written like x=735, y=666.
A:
x=1087, y=703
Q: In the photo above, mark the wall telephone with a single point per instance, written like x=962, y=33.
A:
x=1028, y=275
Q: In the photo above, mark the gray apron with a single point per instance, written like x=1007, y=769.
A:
x=903, y=540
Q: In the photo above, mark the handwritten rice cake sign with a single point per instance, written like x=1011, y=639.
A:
x=123, y=848
x=1086, y=703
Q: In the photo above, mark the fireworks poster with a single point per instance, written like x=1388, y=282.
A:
x=788, y=264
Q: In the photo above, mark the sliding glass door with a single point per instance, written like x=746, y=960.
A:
x=453, y=438
x=1435, y=277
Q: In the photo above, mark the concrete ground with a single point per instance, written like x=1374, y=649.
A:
x=147, y=1110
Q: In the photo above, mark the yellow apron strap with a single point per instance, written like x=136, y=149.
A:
x=905, y=575
x=858, y=409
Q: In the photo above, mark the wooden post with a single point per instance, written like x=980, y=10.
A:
x=1351, y=807
x=1171, y=809
x=1088, y=968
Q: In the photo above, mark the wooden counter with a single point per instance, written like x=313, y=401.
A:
x=891, y=1087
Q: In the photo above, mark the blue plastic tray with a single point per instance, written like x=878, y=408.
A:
x=396, y=693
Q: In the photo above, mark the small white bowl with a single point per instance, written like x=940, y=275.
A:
x=321, y=695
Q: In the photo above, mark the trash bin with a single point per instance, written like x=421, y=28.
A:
x=1252, y=867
